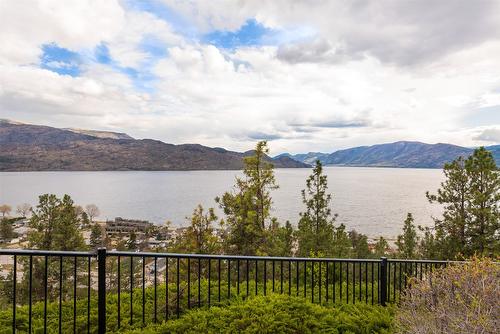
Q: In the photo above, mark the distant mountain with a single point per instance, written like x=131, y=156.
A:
x=399, y=154
x=27, y=147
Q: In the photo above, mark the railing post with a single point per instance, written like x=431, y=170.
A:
x=101, y=290
x=383, y=281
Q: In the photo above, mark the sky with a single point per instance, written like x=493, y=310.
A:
x=304, y=75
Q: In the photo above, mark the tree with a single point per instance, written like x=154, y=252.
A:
x=341, y=243
x=96, y=236
x=92, y=212
x=199, y=237
x=132, y=242
x=247, y=208
x=471, y=196
x=54, y=225
x=316, y=225
x=5, y=210
x=407, y=242
x=482, y=230
x=453, y=196
x=6, y=229
x=381, y=247
x=24, y=209
x=281, y=239
x=359, y=243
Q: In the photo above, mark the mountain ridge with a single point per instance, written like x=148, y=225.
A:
x=28, y=147
x=403, y=154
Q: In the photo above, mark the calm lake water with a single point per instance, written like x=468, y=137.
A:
x=371, y=200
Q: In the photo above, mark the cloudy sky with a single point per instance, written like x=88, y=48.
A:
x=305, y=75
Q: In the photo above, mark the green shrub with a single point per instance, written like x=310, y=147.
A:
x=462, y=298
x=279, y=314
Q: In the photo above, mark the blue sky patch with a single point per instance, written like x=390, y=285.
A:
x=60, y=60
x=252, y=33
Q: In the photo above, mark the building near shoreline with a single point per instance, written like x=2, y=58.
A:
x=121, y=225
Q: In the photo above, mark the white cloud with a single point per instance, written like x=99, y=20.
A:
x=371, y=74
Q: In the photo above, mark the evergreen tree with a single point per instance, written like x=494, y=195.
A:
x=341, y=243
x=453, y=196
x=54, y=225
x=381, y=247
x=281, y=239
x=359, y=243
x=407, y=242
x=96, y=236
x=199, y=237
x=247, y=208
x=6, y=230
x=316, y=225
x=482, y=228
x=132, y=242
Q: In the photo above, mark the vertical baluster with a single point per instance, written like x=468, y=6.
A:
x=326, y=281
x=14, y=301
x=155, y=292
x=272, y=275
x=178, y=286
x=131, y=289
x=119, y=291
x=347, y=282
x=256, y=276
x=373, y=279
x=247, y=275
x=238, y=276
x=312, y=281
x=166, y=288
x=334, y=278
x=74, y=293
x=199, y=282
x=341, y=283
x=354, y=282
x=30, y=293
x=289, y=278
x=88, y=293
x=143, y=291
x=265, y=277
x=228, y=279
x=360, y=280
x=305, y=279
x=366, y=282
x=319, y=281
x=189, y=282
x=209, y=279
x=46, y=277
x=281, y=276
x=218, y=279
x=60, y=294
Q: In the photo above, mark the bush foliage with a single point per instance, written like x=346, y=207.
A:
x=280, y=314
x=462, y=298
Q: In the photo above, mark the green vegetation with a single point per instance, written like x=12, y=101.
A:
x=470, y=223
x=280, y=314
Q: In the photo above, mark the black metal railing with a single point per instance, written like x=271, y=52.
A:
x=87, y=292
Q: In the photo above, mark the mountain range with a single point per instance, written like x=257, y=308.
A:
x=409, y=154
x=28, y=147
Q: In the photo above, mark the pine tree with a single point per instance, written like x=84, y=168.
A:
x=453, y=196
x=6, y=229
x=199, y=237
x=132, y=242
x=483, y=227
x=96, y=236
x=247, y=209
x=359, y=243
x=381, y=247
x=316, y=225
x=54, y=225
x=407, y=242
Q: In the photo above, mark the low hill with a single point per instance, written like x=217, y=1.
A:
x=27, y=147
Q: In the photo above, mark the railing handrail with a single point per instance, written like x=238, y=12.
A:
x=39, y=252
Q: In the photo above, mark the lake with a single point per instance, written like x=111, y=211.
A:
x=373, y=201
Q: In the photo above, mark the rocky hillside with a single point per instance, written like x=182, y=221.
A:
x=26, y=147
